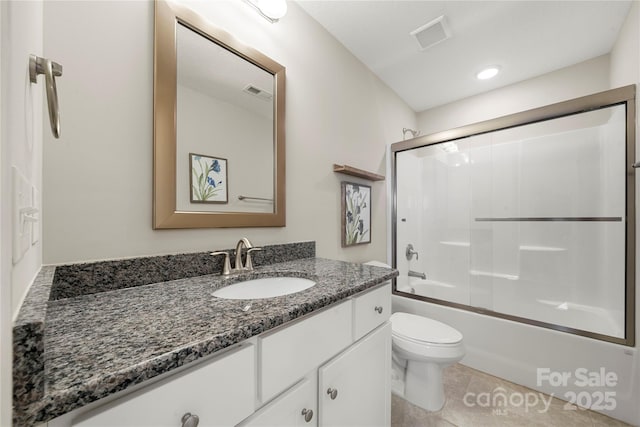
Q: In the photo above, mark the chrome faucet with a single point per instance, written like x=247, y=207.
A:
x=226, y=266
x=248, y=266
x=417, y=274
x=247, y=244
x=238, y=267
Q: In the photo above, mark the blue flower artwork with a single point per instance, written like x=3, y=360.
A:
x=208, y=179
x=356, y=214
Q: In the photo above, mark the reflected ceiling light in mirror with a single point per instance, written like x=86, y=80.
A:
x=271, y=10
x=488, y=73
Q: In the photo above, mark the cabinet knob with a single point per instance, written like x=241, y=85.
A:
x=333, y=393
x=189, y=420
x=378, y=309
x=308, y=414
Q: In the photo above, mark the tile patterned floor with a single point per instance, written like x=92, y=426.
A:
x=459, y=380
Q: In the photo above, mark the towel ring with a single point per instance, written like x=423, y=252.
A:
x=51, y=70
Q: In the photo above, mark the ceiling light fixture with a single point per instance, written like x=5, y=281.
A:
x=488, y=73
x=271, y=10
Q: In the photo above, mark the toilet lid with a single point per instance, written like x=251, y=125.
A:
x=422, y=329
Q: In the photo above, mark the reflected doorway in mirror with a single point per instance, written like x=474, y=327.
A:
x=208, y=179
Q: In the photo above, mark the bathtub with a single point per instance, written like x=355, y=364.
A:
x=563, y=313
x=433, y=289
x=522, y=353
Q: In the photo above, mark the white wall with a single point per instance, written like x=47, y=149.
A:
x=21, y=146
x=23, y=117
x=625, y=55
x=247, y=149
x=97, y=195
x=581, y=79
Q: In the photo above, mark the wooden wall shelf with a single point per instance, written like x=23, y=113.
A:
x=350, y=170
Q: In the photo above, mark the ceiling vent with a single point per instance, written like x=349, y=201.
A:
x=256, y=91
x=432, y=32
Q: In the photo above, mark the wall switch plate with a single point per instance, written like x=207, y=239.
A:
x=21, y=199
x=35, y=225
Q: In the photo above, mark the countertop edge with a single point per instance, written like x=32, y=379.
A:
x=28, y=341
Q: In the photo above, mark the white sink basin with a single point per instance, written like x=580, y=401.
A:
x=267, y=287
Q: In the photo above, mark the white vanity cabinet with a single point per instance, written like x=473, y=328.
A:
x=348, y=352
x=219, y=392
x=296, y=407
x=284, y=377
x=370, y=310
x=289, y=353
x=354, y=387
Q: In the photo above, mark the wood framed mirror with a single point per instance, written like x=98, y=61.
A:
x=219, y=116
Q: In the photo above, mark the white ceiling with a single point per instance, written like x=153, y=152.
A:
x=210, y=69
x=525, y=38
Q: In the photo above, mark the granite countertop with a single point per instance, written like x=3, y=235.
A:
x=102, y=343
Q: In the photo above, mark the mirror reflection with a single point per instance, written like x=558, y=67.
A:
x=224, y=129
x=219, y=118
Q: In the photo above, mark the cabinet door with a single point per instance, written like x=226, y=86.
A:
x=360, y=381
x=296, y=407
x=221, y=392
x=288, y=354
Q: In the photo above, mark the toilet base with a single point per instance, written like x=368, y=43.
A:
x=398, y=374
x=423, y=385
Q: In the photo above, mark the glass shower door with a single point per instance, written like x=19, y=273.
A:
x=526, y=223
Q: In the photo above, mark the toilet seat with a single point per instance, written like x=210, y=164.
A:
x=421, y=330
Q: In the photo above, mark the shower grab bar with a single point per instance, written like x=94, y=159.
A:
x=551, y=218
x=51, y=70
x=254, y=198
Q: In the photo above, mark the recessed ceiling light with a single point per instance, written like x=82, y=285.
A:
x=488, y=73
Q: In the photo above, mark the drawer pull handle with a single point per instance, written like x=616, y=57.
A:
x=333, y=393
x=189, y=420
x=308, y=414
x=378, y=309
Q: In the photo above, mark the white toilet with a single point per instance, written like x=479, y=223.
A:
x=422, y=347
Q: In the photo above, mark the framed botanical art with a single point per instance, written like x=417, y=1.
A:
x=208, y=179
x=356, y=214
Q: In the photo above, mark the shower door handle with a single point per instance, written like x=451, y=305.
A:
x=636, y=165
x=51, y=70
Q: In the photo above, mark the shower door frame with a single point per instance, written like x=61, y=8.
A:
x=620, y=96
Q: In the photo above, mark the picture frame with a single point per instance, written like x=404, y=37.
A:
x=208, y=179
x=355, y=214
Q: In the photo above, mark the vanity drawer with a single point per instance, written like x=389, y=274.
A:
x=220, y=392
x=290, y=353
x=370, y=310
